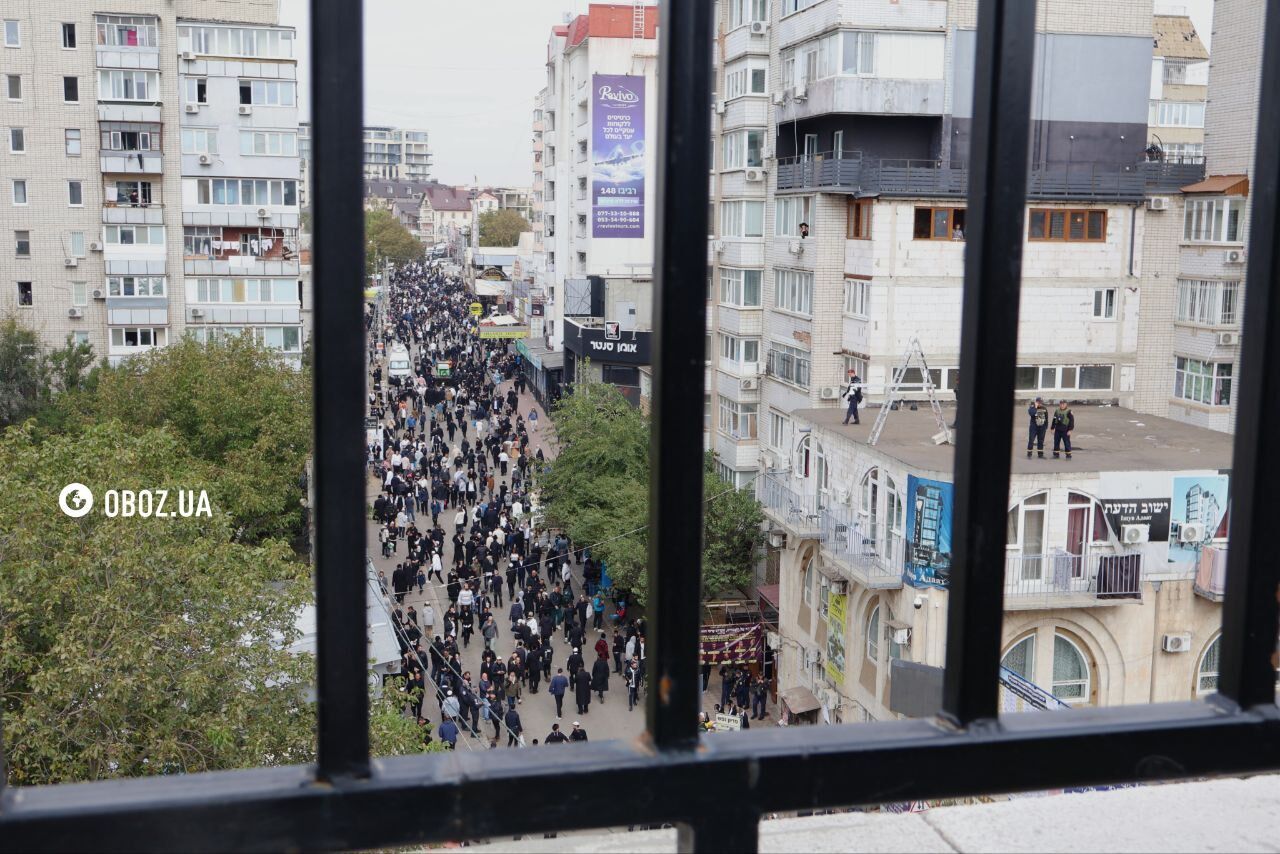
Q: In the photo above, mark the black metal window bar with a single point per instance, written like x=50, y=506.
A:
x=715, y=791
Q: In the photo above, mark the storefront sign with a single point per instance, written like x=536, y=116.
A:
x=929, y=509
x=1137, y=511
x=731, y=644
x=836, y=611
x=511, y=331
x=630, y=348
x=728, y=723
x=477, y=309
x=617, y=156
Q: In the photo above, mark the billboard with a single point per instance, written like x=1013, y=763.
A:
x=1198, y=516
x=837, y=606
x=741, y=643
x=929, y=509
x=617, y=155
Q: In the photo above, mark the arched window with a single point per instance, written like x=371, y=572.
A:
x=811, y=464
x=807, y=581
x=1025, y=537
x=1070, y=671
x=1207, y=675
x=1021, y=658
x=873, y=635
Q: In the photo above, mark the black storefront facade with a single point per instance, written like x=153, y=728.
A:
x=605, y=353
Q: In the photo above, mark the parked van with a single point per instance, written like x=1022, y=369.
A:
x=399, y=366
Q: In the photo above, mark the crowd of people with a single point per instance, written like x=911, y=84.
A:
x=456, y=507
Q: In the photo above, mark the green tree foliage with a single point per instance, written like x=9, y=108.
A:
x=597, y=490
x=31, y=377
x=386, y=237
x=502, y=227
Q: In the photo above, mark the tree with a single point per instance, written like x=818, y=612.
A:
x=502, y=227
x=597, y=490
x=22, y=372
x=386, y=237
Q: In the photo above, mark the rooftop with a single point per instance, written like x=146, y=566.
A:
x=1175, y=37
x=1106, y=438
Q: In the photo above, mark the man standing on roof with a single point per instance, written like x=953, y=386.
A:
x=853, y=394
x=1039, y=414
x=1063, y=423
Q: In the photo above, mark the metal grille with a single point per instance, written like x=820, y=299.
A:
x=717, y=791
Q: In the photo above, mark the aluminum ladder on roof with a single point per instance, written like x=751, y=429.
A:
x=893, y=395
x=637, y=19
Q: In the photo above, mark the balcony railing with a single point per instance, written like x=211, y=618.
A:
x=1058, y=577
x=852, y=173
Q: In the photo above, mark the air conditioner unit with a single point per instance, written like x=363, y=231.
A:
x=777, y=539
x=246, y=110
x=1228, y=339
x=840, y=586
x=812, y=655
x=205, y=159
x=188, y=55
x=1191, y=532
x=1158, y=203
x=1134, y=534
x=1233, y=256
x=95, y=246
x=829, y=392
x=779, y=98
x=191, y=108
x=98, y=293
x=750, y=384
x=197, y=313
x=796, y=247
x=71, y=262
x=759, y=28
x=719, y=108
x=75, y=312
x=263, y=213
x=801, y=91
x=1176, y=643
x=902, y=637
x=842, y=495
x=755, y=174
x=718, y=245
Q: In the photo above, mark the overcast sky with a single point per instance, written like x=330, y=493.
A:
x=468, y=72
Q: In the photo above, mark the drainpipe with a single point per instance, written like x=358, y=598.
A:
x=1133, y=235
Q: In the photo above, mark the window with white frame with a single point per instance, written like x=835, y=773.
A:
x=80, y=293
x=1075, y=377
x=140, y=337
x=855, y=53
x=70, y=90
x=743, y=148
x=127, y=31
x=779, y=430
x=1021, y=658
x=943, y=378
x=857, y=364
x=123, y=136
x=22, y=243
x=1214, y=221
x=737, y=353
x=118, y=85
x=267, y=93
x=242, y=290
x=246, y=191
x=13, y=86
x=706, y=412
x=135, y=286
x=276, y=143
x=789, y=364
x=1202, y=382
x=742, y=219
x=793, y=290
x=806, y=581
x=68, y=36
x=199, y=140
x=740, y=288
x=1207, y=672
x=857, y=298
x=1211, y=303
x=1184, y=152
x=128, y=235
x=17, y=140
x=749, y=76
x=873, y=636
x=1070, y=671
x=1104, y=304
x=859, y=53
x=71, y=141
x=76, y=239
x=19, y=191
x=743, y=12
x=790, y=6
x=75, y=194
x=738, y=420
x=790, y=212
x=12, y=33
x=80, y=336
x=1176, y=114
x=195, y=90
x=236, y=41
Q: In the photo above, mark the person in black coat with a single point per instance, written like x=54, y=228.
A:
x=600, y=677
x=514, y=728
x=574, y=663
x=582, y=690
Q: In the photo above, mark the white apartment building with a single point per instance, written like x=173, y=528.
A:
x=855, y=119
x=120, y=119
x=1179, y=86
x=397, y=154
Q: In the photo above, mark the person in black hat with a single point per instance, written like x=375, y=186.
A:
x=1038, y=426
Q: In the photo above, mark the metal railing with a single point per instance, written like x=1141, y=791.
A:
x=1059, y=576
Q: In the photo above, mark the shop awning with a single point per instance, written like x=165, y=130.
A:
x=769, y=593
x=490, y=289
x=800, y=700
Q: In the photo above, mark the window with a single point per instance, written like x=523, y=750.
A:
x=859, y=219
x=739, y=351
x=123, y=136
x=1176, y=114
x=80, y=336
x=1208, y=302
x=743, y=12
x=246, y=191
x=1184, y=152
x=134, y=336
x=1104, y=304
x=873, y=636
x=1214, y=221
x=275, y=143
x=1070, y=672
x=77, y=244
x=129, y=193
x=199, y=140
x=79, y=293
x=17, y=140
x=859, y=53
x=13, y=84
x=69, y=36
x=807, y=582
x=742, y=219
x=129, y=235
x=24, y=293
x=912, y=378
x=740, y=288
x=71, y=90
x=135, y=286
x=19, y=192
x=75, y=194
x=790, y=212
x=71, y=140
x=195, y=90
x=12, y=33
x=939, y=224
x=1070, y=377
x=127, y=31
x=1202, y=382
x=1021, y=658
x=1174, y=73
x=1068, y=225
x=857, y=364
x=236, y=41
x=242, y=290
x=789, y=364
x=742, y=148
x=789, y=6
x=706, y=412
x=267, y=93
x=793, y=291
x=745, y=77
x=779, y=430
x=857, y=298
x=738, y=420
x=128, y=85
x=22, y=242
x=1207, y=673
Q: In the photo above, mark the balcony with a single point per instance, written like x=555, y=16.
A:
x=1064, y=580
x=132, y=163
x=1211, y=573
x=851, y=173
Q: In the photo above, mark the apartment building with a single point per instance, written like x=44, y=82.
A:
x=854, y=121
x=390, y=153
x=1179, y=87
x=132, y=138
x=596, y=268
x=1197, y=257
